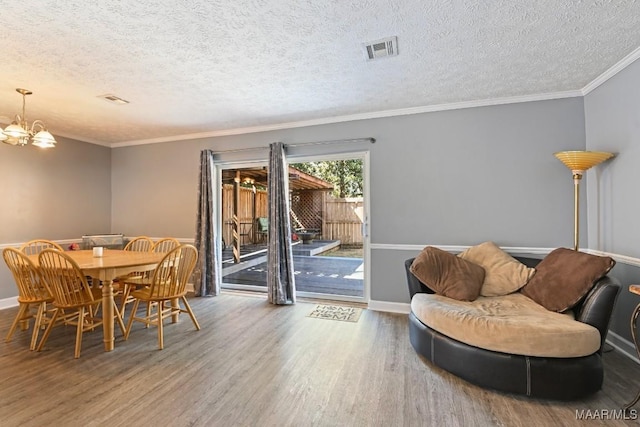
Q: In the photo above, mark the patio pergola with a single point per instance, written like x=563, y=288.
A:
x=305, y=186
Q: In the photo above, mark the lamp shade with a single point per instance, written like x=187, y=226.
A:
x=580, y=161
x=15, y=131
x=20, y=133
x=44, y=139
x=12, y=141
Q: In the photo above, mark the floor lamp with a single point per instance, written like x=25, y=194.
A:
x=579, y=162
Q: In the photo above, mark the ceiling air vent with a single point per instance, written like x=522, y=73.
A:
x=382, y=48
x=114, y=99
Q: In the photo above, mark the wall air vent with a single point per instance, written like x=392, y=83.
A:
x=114, y=99
x=381, y=48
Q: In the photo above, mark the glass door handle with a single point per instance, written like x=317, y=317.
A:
x=365, y=227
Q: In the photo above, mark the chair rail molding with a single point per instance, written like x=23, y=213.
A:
x=625, y=259
x=623, y=345
x=458, y=248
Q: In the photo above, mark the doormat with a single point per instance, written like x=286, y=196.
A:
x=336, y=312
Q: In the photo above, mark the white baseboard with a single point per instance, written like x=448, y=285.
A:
x=391, y=307
x=8, y=302
x=623, y=345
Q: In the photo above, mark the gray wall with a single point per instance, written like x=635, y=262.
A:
x=455, y=177
x=60, y=193
x=612, y=113
x=612, y=116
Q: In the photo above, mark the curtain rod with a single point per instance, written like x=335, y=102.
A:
x=300, y=144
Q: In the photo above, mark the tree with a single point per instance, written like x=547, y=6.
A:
x=345, y=175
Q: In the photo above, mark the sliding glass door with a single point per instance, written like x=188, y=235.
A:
x=328, y=218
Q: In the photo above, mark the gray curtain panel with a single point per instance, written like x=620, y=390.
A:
x=280, y=279
x=207, y=279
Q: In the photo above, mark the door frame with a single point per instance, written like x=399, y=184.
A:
x=364, y=156
x=219, y=167
x=343, y=155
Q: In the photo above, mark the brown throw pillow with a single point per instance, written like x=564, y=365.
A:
x=503, y=273
x=565, y=276
x=447, y=274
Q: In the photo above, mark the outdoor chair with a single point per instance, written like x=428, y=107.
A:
x=166, y=289
x=262, y=229
x=32, y=291
x=71, y=293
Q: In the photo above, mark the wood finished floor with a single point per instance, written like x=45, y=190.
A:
x=254, y=364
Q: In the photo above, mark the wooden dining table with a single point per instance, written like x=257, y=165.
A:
x=112, y=264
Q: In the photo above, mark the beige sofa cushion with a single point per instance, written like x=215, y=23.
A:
x=503, y=273
x=509, y=324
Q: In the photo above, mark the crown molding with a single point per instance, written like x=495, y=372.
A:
x=619, y=66
x=354, y=117
x=595, y=83
x=83, y=139
x=609, y=73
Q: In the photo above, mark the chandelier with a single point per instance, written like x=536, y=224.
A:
x=19, y=132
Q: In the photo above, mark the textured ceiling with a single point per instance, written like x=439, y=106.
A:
x=201, y=66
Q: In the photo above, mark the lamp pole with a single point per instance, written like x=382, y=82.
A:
x=578, y=162
x=577, y=176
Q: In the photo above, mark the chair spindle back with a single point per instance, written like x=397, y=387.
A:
x=34, y=247
x=165, y=245
x=173, y=272
x=139, y=244
x=68, y=285
x=31, y=286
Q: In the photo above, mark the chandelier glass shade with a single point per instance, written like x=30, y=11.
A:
x=20, y=133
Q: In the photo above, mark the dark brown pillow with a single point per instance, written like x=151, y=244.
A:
x=447, y=274
x=565, y=276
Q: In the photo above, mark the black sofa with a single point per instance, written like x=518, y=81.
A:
x=543, y=377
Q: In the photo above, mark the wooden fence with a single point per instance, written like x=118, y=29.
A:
x=246, y=213
x=340, y=219
x=343, y=220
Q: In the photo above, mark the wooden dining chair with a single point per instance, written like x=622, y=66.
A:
x=32, y=292
x=166, y=289
x=71, y=293
x=141, y=280
x=34, y=247
x=121, y=286
x=139, y=244
x=165, y=245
